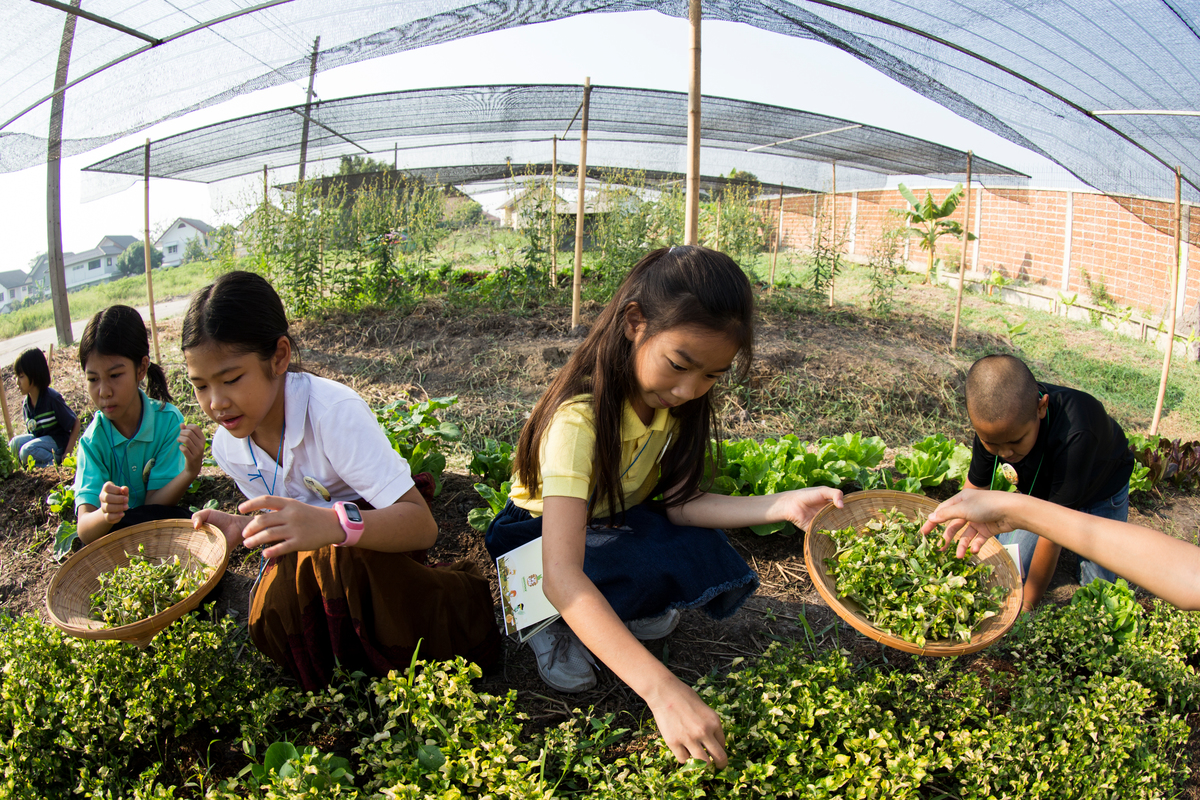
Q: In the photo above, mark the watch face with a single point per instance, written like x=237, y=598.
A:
x=352, y=512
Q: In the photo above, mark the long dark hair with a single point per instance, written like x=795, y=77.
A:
x=120, y=331
x=671, y=287
x=32, y=364
x=241, y=311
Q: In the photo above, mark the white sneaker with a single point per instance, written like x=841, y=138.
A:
x=654, y=627
x=562, y=660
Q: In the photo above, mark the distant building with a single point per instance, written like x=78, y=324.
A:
x=15, y=286
x=174, y=240
x=81, y=269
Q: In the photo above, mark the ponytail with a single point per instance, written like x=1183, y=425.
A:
x=120, y=331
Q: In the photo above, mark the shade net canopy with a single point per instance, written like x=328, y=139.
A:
x=628, y=128
x=1044, y=74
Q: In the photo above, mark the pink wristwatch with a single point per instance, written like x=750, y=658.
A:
x=352, y=522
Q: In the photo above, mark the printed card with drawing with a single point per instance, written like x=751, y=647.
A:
x=526, y=609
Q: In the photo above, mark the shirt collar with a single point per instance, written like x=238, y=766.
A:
x=632, y=427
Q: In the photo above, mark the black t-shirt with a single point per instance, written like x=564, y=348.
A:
x=51, y=417
x=1080, y=458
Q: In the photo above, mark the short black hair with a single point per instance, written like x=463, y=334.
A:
x=1001, y=389
x=32, y=364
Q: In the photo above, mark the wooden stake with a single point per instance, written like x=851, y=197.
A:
x=265, y=199
x=962, y=259
x=577, y=281
x=778, y=236
x=554, y=212
x=50, y=358
x=717, y=246
x=1162, y=385
x=833, y=240
x=54, y=250
x=4, y=406
x=691, y=220
x=312, y=74
x=149, y=261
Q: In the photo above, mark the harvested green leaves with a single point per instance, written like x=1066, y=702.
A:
x=145, y=588
x=906, y=586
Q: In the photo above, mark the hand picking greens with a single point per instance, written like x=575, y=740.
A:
x=907, y=586
x=144, y=588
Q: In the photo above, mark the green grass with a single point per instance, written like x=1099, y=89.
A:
x=129, y=291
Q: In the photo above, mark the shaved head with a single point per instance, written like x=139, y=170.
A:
x=1001, y=390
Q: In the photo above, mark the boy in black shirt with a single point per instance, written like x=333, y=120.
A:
x=1053, y=443
x=53, y=427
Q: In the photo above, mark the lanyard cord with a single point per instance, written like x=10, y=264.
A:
x=121, y=461
x=278, y=458
x=635, y=458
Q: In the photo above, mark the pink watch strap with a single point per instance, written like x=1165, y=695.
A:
x=354, y=530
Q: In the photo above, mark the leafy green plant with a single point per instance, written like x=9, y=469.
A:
x=930, y=220
x=416, y=434
x=144, y=587
x=480, y=518
x=1115, y=604
x=908, y=585
x=493, y=462
x=65, y=537
x=884, y=479
x=286, y=771
x=884, y=268
x=9, y=463
x=935, y=459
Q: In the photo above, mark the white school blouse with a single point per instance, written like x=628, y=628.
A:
x=330, y=435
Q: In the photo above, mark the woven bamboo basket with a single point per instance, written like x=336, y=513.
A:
x=68, y=599
x=860, y=508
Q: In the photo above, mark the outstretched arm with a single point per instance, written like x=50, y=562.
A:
x=1168, y=567
x=799, y=506
x=689, y=727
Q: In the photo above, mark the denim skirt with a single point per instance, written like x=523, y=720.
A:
x=646, y=565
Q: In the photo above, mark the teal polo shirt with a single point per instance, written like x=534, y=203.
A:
x=105, y=455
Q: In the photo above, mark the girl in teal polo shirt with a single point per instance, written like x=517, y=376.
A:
x=137, y=457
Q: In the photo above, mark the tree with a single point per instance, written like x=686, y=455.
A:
x=354, y=165
x=194, y=251
x=930, y=221
x=133, y=261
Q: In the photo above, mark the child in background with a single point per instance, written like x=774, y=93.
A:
x=137, y=457
x=340, y=586
x=53, y=427
x=630, y=417
x=1059, y=444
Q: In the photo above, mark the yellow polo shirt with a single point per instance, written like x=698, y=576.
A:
x=568, y=461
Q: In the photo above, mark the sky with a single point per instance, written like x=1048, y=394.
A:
x=640, y=49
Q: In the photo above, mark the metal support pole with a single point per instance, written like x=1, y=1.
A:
x=1162, y=385
x=554, y=212
x=833, y=236
x=778, y=237
x=577, y=281
x=54, y=249
x=149, y=261
x=312, y=74
x=962, y=259
x=691, y=220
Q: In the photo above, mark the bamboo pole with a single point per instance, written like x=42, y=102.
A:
x=833, y=236
x=149, y=261
x=554, y=212
x=962, y=259
x=312, y=74
x=691, y=223
x=1162, y=385
x=265, y=198
x=54, y=250
x=4, y=407
x=577, y=280
x=717, y=245
x=778, y=235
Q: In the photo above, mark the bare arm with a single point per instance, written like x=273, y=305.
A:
x=294, y=526
x=1164, y=565
x=689, y=727
x=708, y=510
x=94, y=522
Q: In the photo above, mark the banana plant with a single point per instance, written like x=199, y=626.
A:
x=930, y=221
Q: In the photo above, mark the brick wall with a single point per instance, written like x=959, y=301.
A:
x=1123, y=242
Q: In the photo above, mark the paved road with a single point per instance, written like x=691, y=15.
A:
x=11, y=348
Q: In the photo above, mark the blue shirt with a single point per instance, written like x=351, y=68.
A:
x=50, y=417
x=105, y=455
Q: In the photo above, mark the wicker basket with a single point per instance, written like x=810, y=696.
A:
x=860, y=508
x=68, y=599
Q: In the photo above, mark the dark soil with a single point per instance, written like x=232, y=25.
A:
x=816, y=373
